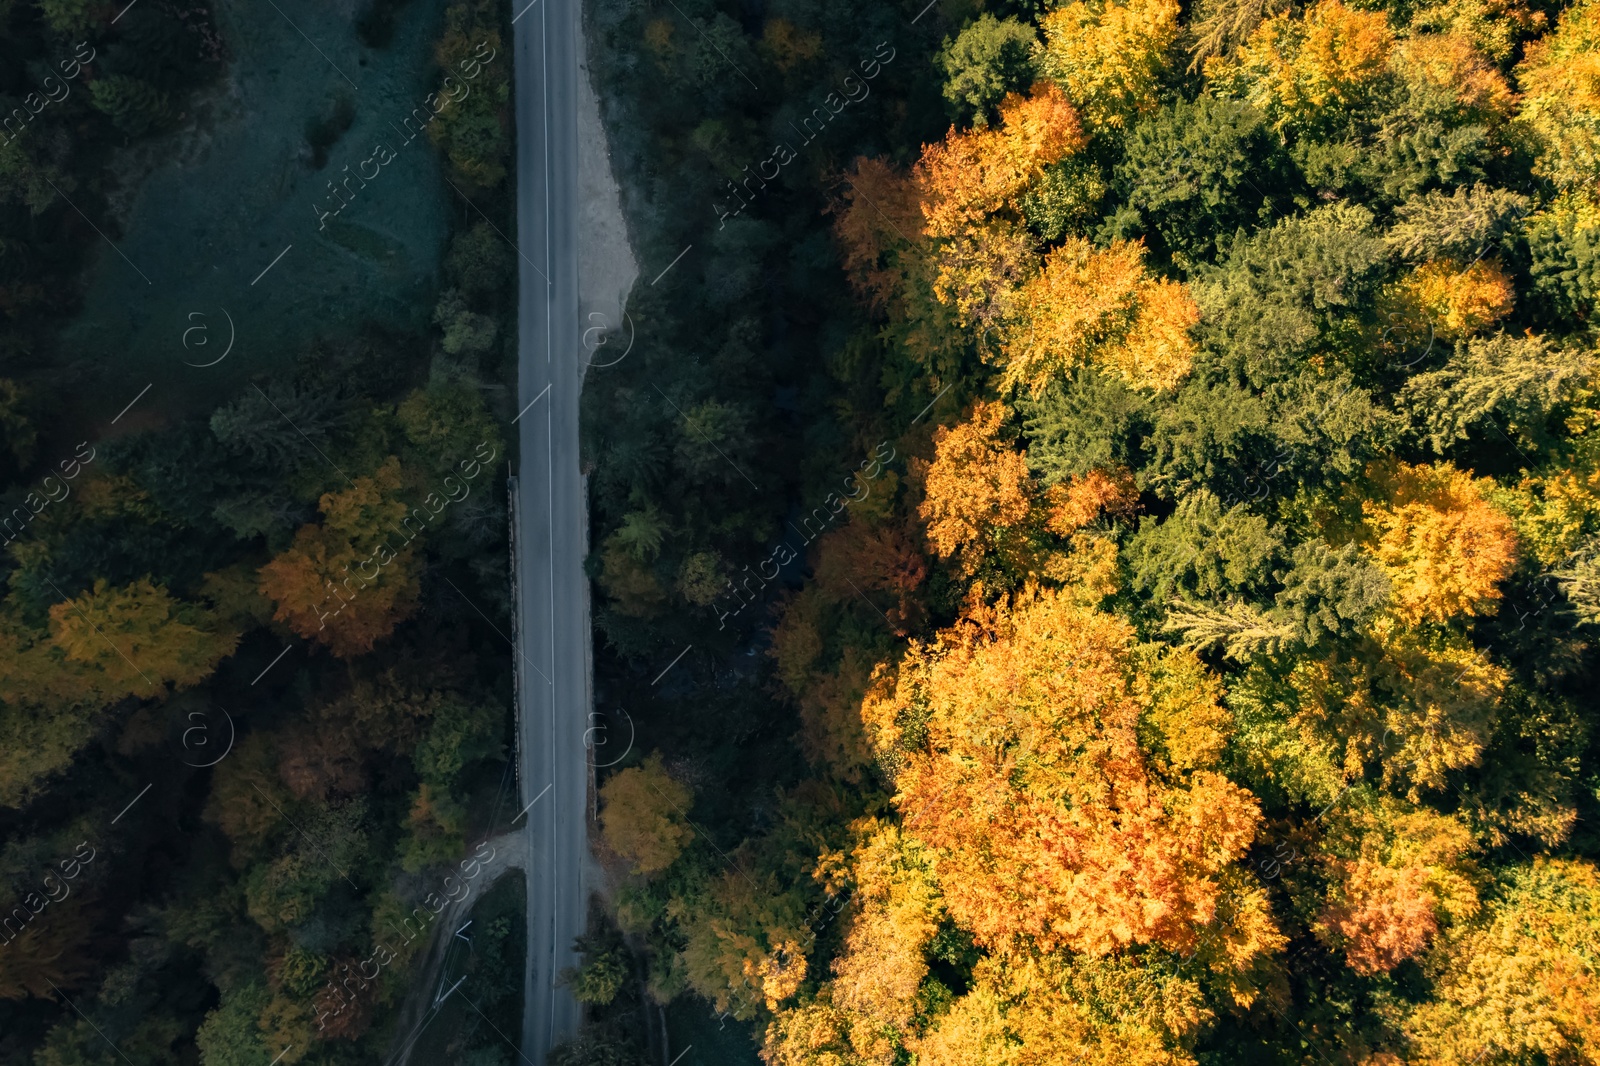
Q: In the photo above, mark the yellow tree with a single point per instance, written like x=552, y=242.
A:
x=1448, y=301
x=1299, y=69
x=1047, y=1011
x=1560, y=80
x=1444, y=547
x=138, y=639
x=1015, y=738
x=1522, y=984
x=896, y=912
x=348, y=581
x=976, y=487
x=1110, y=56
x=644, y=815
x=1102, y=307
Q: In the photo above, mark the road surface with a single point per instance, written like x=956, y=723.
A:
x=552, y=590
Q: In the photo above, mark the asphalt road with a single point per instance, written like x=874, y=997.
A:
x=552, y=607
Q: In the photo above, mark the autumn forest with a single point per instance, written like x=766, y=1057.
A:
x=1093, y=543
x=1208, y=678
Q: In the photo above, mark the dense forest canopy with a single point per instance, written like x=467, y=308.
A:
x=1208, y=677
x=254, y=714
x=1096, y=543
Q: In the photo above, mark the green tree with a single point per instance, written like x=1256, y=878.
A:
x=458, y=734
x=1294, y=289
x=1087, y=420
x=1204, y=550
x=986, y=60
x=1193, y=173
x=135, y=106
x=1462, y=226
x=229, y=1035
x=479, y=263
x=1564, y=243
x=466, y=332
x=280, y=428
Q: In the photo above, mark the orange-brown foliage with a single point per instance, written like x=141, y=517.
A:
x=1017, y=735
x=1089, y=305
x=1080, y=500
x=1444, y=547
x=1386, y=916
x=340, y=582
x=974, y=174
x=975, y=485
x=878, y=216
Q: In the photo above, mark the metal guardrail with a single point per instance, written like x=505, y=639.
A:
x=512, y=539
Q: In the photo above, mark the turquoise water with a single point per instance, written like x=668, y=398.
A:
x=201, y=229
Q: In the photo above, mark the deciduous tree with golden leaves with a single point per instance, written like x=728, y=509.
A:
x=1015, y=738
x=347, y=581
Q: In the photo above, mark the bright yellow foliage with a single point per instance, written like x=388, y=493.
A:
x=1420, y=705
x=1450, y=61
x=976, y=486
x=1110, y=56
x=1449, y=301
x=1523, y=984
x=1560, y=80
x=974, y=174
x=1295, y=68
x=1016, y=737
x=896, y=913
x=1047, y=1012
x=644, y=815
x=1444, y=547
x=1102, y=307
x=139, y=638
